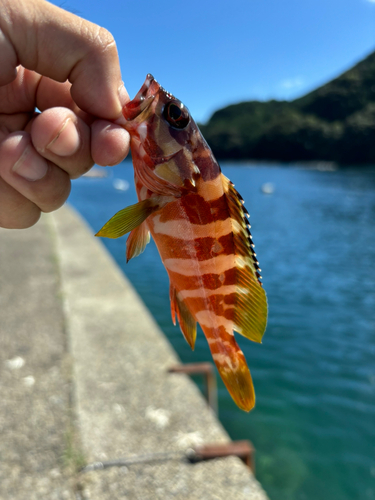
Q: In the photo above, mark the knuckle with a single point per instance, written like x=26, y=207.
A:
x=52, y=191
x=102, y=40
x=30, y=220
x=105, y=39
x=83, y=169
x=22, y=217
x=56, y=197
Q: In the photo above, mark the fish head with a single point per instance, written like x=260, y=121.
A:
x=164, y=136
x=160, y=121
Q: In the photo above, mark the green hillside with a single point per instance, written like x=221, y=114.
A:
x=335, y=122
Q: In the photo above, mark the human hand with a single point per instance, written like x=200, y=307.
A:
x=68, y=68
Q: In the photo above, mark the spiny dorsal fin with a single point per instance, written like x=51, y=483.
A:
x=251, y=301
x=187, y=323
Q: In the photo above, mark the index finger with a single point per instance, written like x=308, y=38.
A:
x=55, y=43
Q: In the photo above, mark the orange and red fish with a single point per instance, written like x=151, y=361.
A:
x=200, y=228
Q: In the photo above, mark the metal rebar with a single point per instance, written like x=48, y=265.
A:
x=207, y=370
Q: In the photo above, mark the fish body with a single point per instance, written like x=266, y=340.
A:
x=199, y=224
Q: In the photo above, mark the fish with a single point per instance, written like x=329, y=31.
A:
x=200, y=226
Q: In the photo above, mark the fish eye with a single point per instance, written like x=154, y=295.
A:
x=176, y=114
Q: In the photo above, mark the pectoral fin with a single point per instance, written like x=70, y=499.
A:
x=129, y=218
x=137, y=241
x=186, y=321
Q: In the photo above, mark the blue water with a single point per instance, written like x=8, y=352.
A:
x=314, y=422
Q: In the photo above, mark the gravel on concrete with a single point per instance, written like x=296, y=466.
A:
x=84, y=379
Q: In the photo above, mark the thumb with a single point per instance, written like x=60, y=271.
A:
x=62, y=46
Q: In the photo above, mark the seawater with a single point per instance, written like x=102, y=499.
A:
x=314, y=422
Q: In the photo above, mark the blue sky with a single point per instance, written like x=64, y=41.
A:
x=213, y=53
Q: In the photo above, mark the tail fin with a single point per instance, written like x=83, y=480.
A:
x=231, y=364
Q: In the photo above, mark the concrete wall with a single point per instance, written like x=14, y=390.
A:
x=75, y=312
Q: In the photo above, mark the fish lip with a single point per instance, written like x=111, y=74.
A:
x=142, y=100
x=142, y=92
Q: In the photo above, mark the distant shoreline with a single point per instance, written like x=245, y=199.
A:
x=334, y=123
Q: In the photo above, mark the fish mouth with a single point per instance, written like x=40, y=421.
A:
x=142, y=100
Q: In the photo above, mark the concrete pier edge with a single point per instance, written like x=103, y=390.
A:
x=116, y=396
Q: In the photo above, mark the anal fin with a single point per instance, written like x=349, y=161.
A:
x=187, y=323
x=137, y=241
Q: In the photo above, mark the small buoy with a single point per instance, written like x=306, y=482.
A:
x=121, y=185
x=268, y=188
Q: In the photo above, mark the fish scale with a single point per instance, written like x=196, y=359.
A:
x=199, y=224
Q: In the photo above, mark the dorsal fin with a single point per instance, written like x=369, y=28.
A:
x=251, y=301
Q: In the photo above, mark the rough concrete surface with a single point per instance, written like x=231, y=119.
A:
x=83, y=379
x=34, y=373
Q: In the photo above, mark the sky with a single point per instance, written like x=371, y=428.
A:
x=213, y=53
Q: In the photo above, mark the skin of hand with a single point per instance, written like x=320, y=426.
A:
x=67, y=68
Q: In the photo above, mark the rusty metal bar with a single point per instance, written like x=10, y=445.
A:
x=242, y=449
x=208, y=371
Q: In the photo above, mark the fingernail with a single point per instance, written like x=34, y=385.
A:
x=66, y=141
x=30, y=165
